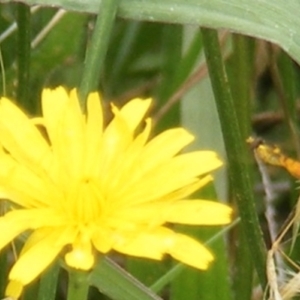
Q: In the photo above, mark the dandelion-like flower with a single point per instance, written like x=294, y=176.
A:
x=72, y=182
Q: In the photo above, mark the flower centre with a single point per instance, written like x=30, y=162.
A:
x=86, y=202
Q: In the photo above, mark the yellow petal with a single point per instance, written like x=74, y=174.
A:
x=80, y=259
x=17, y=221
x=158, y=151
x=66, y=235
x=120, y=132
x=23, y=186
x=10, y=228
x=168, y=198
x=94, y=128
x=153, y=244
x=13, y=290
x=71, y=138
x=151, y=214
x=54, y=104
x=18, y=135
x=64, y=122
x=116, y=138
x=180, y=171
x=42, y=254
x=193, y=164
x=125, y=163
x=199, y=212
x=102, y=239
x=164, y=146
x=81, y=256
x=188, y=189
x=190, y=252
x=134, y=111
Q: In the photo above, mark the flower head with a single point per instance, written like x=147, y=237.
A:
x=76, y=183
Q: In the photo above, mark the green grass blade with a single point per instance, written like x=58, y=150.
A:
x=235, y=148
x=116, y=283
x=96, y=53
x=274, y=21
x=48, y=283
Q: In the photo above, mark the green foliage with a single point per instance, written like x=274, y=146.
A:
x=220, y=89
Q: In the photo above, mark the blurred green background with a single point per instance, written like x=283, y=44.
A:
x=158, y=50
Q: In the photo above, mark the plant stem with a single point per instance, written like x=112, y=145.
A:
x=78, y=286
x=236, y=148
x=23, y=54
x=94, y=60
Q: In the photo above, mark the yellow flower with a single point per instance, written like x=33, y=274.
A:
x=74, y=183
